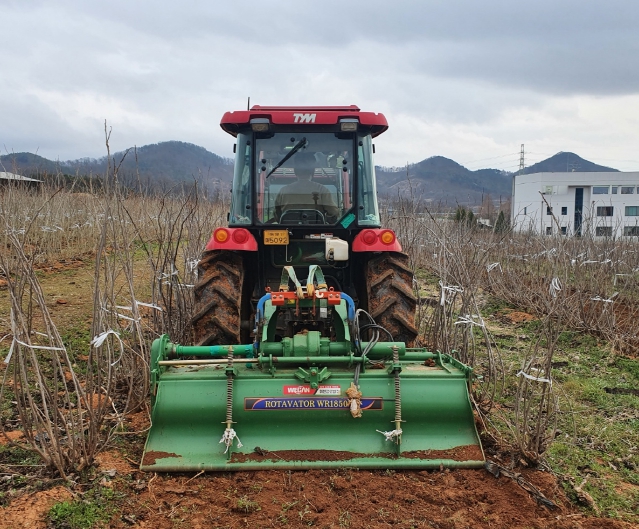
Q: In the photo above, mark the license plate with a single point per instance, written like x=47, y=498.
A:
x=276, y=237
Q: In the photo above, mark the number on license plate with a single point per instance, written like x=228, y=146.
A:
x=276, y=237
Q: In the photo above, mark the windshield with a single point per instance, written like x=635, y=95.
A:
x=303, y=178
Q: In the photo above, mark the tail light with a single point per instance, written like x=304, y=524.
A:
x=376, y=240
x=369, y=237
x=232, y=239
x=387, y=237
x=221, y=235
x=240, y=236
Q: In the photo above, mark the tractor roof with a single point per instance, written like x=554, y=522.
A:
x=233, y=122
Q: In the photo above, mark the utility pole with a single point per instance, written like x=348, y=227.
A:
x=512, y=193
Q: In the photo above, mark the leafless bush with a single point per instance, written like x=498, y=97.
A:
x=60, y=415
x=536, y=406
x=600, y=275
x=68, y=416
x=173, y=243
x=457, y=255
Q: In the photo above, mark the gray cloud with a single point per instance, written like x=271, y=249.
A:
x=482, y=76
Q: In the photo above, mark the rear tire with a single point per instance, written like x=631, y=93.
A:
x=391, y=301
x=218, y=293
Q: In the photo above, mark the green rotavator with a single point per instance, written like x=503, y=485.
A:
x=293, y=303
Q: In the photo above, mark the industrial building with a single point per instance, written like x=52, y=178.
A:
x=601, y=204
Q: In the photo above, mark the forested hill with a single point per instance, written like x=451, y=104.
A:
x=565, y=162
x=155, y=166
x=443, y=181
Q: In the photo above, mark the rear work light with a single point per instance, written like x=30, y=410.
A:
x=260, y=124
x=348, y=125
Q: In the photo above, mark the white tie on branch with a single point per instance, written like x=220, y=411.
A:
x=30, y=346
x=609, y=300
x=492, y=266
x=534, y=378
x=448, y=288
x=555, y=287
x=141, y=304
x=99, y=340
x=118, y=315
x=469, y=319
x=43, y=347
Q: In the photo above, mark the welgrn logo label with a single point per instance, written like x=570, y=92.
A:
x=303, y=118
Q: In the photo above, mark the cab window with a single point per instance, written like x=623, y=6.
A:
x=368, y=213
x=241, y=197
x=303, y=178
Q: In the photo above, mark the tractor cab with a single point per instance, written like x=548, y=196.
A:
x=304, y=167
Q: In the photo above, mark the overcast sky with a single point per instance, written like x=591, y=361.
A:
x=470, y=80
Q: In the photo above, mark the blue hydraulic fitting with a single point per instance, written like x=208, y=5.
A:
x=351, y=306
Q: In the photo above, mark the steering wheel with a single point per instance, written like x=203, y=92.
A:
x=302, y=216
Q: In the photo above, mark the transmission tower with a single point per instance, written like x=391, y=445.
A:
x=521, y=160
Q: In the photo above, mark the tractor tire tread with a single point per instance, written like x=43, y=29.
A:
x=391, y=301
x=216, y=316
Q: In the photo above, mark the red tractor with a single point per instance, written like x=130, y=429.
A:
x=304, y=215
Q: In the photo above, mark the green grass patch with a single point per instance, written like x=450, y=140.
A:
x=599, y=425
x=77, y=340
x=493, y=305
x=95, y=509
x=16, y=456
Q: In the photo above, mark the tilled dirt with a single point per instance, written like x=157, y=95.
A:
x=359, y=499
x=29, y=511
x=448, y=499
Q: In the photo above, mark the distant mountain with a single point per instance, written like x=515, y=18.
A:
x=441, y=180
x=437, y=180
x=566, y=162
x=160, y=165
x=27, y=164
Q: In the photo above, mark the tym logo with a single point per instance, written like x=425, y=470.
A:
x=304, y=118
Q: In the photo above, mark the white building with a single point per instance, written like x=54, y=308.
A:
x=599, y=204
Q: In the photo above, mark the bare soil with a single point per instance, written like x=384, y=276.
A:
x=456, y=499
x=515, y=316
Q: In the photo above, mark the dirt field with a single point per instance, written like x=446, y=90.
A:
x=345, y=498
